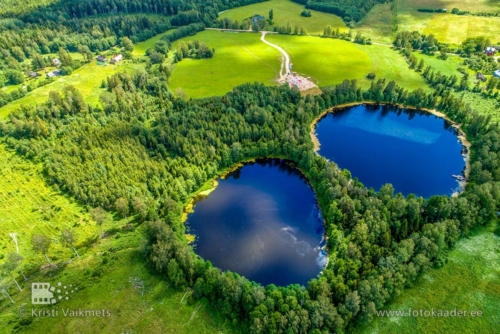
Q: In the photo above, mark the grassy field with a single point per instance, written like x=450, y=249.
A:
x=450, y=28
x=446, y=28
x=469, y=281
x=239, y=58
x=286, y=11
x=377, y=24
x=140, y=48
x=449, y=66
x=28, y=206
x=103, y=274
x=87, y=79
x=330, y=61
x=326, y=61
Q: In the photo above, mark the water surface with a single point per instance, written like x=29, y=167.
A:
x=416, y=152
x=263, y=223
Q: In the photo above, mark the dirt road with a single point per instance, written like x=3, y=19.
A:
x=283, y=52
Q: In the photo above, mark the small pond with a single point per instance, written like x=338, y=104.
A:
x=415, y=151
x=262, y=222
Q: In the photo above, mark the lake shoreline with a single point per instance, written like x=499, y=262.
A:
x=466, y=145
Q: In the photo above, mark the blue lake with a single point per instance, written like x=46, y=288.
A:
x=262, y=222
x=417, y=152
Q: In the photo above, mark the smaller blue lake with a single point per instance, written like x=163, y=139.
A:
x=262, y=222
x=417, y=152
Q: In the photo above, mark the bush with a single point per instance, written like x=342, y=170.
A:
x=371, y=76
x=306, y=13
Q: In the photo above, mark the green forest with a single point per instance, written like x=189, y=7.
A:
x=144, y=151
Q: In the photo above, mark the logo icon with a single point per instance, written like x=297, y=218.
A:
x=43, y=293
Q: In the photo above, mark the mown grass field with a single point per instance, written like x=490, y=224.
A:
x=449, y=66
x=450, y=28
x=239, y=58
x=242, y=57
x=103, y=274
x=377, y=24
x=87, y=79
x=469, y=281
x=286, y=11
x=330, y=61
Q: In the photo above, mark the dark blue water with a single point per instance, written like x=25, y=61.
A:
x=263, y=223
x=417, y=153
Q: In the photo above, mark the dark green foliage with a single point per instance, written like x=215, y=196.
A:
x=193, y=49
x=306, y=13
x=349, y=10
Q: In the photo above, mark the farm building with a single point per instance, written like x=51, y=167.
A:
x=53, y=74
x=257, y=18
x=33, y=75
x=56, y=62
x=480, y=76
x=116, y=59
x=490, y=51
x=102, y=58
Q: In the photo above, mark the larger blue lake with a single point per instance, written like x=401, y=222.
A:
x=262, y=222
x=415, y=151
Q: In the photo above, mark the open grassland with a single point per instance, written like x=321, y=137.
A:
x=287, y=12
x=330, y=61
x=239, y=58
x=87, y=79
x=449, y=66
x=469, y=281
x=103, y=274
x=28, y=206
x=377, y=24
x=450, y=28
x=114, y=278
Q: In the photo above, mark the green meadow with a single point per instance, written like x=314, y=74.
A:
x=140, y=48
x=287, y=12
x=450, y=28
x=329, y=61
x=239, y=58
x=377, y=24
x=87, y=79
x=108, y=274
x=449, y=66
x=469, y=281
x=28, y=206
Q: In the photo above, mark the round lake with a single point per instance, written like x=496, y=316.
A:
x=415, y=151
x=262, y=222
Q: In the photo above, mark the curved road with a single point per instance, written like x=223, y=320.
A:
x=283, y=52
